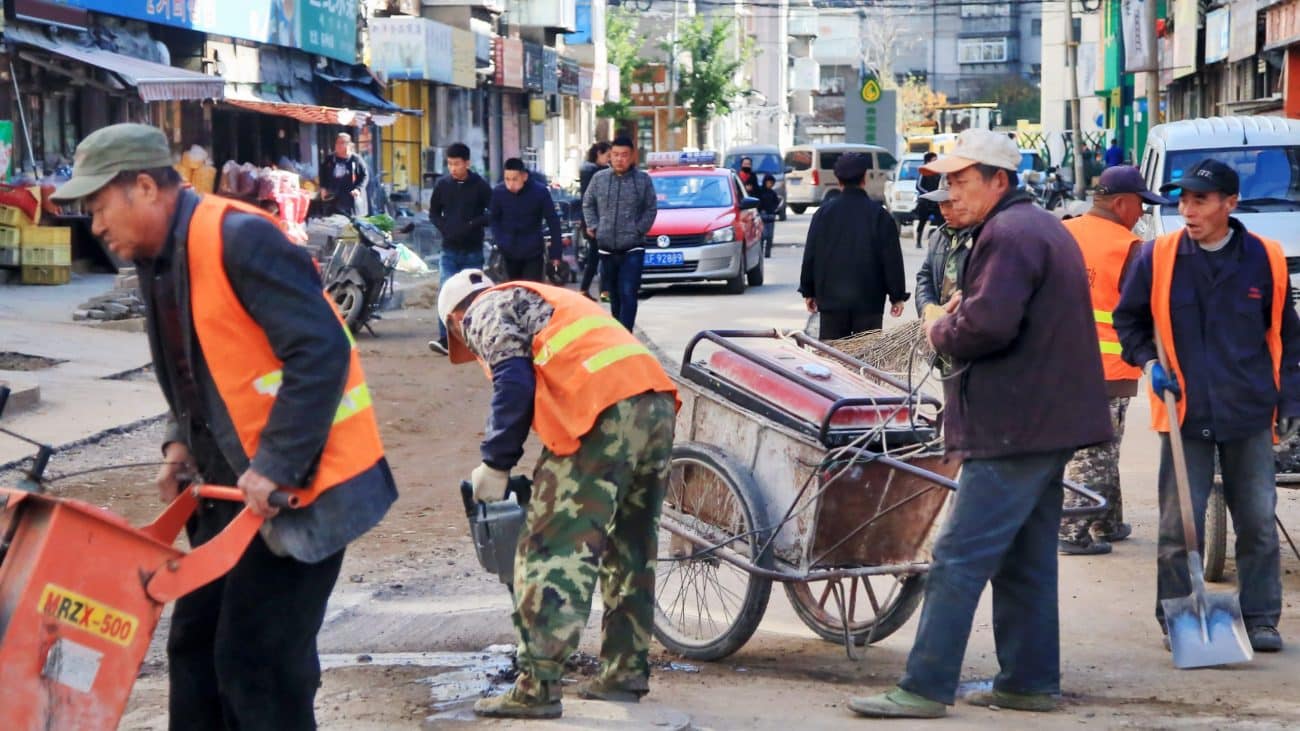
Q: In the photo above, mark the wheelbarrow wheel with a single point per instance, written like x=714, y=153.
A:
x=874, y=608
x=1216, y=534
x=705, y=607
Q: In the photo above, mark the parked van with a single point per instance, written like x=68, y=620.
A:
x=1265, y=152
x=810, y=172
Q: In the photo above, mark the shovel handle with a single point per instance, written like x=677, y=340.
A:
x=1180, y=460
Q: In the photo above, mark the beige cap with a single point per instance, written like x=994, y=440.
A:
x=977, y=147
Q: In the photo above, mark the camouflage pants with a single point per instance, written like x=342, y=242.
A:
x=1098, y=468
x=594, y=513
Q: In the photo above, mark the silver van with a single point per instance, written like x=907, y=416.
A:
x=1265, y=153
x=767, y=161
x=810, y=172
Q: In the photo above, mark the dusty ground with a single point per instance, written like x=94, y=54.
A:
x=431, y=414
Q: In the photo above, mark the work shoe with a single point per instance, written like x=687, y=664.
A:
x=599, y=689
x=1168, y=647
x=1121, y=532
x=897, y=703
x=515, y=704
x=1032, y=702
x=438, y=346
x=1091, y=548
x=1264, y=638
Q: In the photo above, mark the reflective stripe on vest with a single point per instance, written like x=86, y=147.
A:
x=248, y=375
x=1164, y=256
x=585, y=361
x=1105, y=246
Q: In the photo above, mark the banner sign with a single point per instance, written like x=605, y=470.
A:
x=1139, y=54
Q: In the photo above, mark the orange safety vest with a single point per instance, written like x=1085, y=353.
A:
x=1164, y=256
x=585, y=361
x=1105, y=245
x=247, y=373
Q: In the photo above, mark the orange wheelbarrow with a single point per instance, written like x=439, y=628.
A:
x=81, y=592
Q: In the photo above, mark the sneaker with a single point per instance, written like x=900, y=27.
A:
x=514, y=704
x=604, y=296
x=897, y=703
x=1091, y=548
x=1265, y=638
x=1032, y=702
x=605, y=690
x=1121, y=532
x=438, y=346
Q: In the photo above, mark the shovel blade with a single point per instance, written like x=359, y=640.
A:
x=1206, y=630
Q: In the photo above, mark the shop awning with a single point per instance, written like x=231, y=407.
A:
x=368, y=98
x=153, y=81
x=309, y=113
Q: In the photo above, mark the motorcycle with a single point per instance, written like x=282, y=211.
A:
x=359, y=275
x=1051, y=191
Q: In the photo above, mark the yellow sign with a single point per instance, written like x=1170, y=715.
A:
x=71, y=608
x=871, y=91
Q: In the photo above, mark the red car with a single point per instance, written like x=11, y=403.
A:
x=706, y=229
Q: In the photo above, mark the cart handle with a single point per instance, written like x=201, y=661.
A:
x=278, y=499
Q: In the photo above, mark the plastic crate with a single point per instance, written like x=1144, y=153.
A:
x=46, y=274
x=46, y=255
x=10, y=236
x=11, y=216
x=46, y=236
x=10, y=256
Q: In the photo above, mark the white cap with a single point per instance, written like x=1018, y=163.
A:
x=977, y=147
x=450, y=296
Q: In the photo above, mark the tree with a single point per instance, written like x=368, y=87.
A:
x=622, y=44
x=917, y=102
x=884, y=34
x=706, y=80
x=1014, y=95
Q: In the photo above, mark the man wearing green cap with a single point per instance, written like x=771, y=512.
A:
x=265, y=392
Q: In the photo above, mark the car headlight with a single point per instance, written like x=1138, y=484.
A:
x=722, y=235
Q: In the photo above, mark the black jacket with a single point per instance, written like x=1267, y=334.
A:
x=1023, y=342
x=458, y=209
x=517, y=220
x=929, y=278
x=769, y=202
x=277, y=284
x=852, y=259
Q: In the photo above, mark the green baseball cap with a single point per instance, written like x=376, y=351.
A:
x=111, y=150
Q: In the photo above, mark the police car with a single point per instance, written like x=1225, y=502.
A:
x=706, y=228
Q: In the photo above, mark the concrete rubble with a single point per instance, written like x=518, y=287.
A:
x=120, y=303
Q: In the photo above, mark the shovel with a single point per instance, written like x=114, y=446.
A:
x=1204, y=629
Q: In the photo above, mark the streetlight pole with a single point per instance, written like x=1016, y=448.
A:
x=672, y=79
x=1076, y=125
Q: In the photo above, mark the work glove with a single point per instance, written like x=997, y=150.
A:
x=489, y=483
x=932, y=312
x=1287, y=427
x=1162, y=380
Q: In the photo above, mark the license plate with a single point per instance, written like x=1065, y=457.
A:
x=795, y=181
x=664, y=258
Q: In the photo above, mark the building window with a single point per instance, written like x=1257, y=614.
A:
x=1036, y=27
x=982, y=50
x=985, y=10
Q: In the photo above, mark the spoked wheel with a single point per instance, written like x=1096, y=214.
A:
x=706, y=608
x=873, y=606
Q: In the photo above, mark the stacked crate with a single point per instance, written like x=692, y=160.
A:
x=11, y=221
x=44, y=253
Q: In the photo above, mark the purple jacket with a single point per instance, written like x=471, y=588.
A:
x=1027, y=371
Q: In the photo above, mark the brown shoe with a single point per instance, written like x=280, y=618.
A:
x=514, y=704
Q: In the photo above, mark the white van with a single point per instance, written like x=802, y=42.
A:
x=810, y=172
x=1265, y=152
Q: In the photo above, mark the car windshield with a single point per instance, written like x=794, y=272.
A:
x=764, y=162
x=1270, y=176
x=692, y=191
x=909, y=170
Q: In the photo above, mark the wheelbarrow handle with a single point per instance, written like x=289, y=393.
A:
x=278, y=499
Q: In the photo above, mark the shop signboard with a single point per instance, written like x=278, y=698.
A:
x=569, y=77
x=508, y=58
x=1138, y=50
x=324, y=27
x=533, y=67
x=462, y=58
x=1244, y=30
x=587, y=84
x=1216, y=35
x=550, y=71
x=1186, y=14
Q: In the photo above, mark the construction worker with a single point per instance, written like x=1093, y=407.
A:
x=1105, y=234
x=603, y=408
x=266, y=392
x=1219, y=299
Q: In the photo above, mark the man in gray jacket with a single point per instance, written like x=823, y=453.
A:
x=620, y=209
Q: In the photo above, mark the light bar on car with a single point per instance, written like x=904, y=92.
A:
x=680, y=158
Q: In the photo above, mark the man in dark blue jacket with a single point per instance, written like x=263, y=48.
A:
x=1220, y=320
x=519, y=205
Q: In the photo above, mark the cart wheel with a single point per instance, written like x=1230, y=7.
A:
x=1216, y=534
x=706, y=608
x=814, y=602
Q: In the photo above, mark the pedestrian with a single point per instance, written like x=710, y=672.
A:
x=1030, y=392
x=518, y=208
x=852, y=262
x=598, y=488
x=1219, y=299
x=265, y=391
x=925, y=209
x=1114, y=154
x=939, y=278
x=746, y=172
x=597, y=160
x=343, y=177
x=769, y=207
x=458, y=208
x=620, y=208
x=1105, y=235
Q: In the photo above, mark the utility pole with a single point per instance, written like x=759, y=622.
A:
x=1153, y=70
x=672, y=80
x=1076, y=126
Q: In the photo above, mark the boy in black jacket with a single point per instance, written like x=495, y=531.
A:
x=458, y=209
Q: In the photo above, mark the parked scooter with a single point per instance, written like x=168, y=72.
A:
x=1054, y=191
x=359, y=276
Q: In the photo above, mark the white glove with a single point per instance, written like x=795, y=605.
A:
x=489, y=483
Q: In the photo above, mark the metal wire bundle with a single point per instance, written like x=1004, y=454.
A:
x=901, y=349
